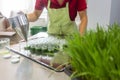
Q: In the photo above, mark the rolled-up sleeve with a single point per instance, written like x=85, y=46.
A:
x=82, y=5
x=39, y=5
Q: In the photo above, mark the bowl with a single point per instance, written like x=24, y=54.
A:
x=4, y=42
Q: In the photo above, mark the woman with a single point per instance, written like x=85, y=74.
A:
x=62, y=15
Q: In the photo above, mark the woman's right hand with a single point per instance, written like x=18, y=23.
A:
x=4, y=23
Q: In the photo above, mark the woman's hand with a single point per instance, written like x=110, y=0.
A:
x=4, y=23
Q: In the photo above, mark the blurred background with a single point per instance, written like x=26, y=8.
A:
x=102, y=12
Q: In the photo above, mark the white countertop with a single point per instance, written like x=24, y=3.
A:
x=27, y=70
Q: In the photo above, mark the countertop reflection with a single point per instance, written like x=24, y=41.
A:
x=27, y=70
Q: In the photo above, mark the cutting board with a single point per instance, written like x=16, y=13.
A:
x=7, y=34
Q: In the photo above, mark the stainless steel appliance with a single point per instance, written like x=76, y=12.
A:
x=20, y=24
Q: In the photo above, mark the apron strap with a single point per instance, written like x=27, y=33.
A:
x=48, y=3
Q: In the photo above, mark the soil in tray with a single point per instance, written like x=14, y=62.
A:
x=68, y=70
x=54, y=65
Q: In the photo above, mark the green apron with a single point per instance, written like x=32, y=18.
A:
x=60, y=25
x=59, y=21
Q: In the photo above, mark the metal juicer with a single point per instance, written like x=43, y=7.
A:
x=20, y=24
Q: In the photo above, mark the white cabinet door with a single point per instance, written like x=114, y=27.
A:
x=98, y=12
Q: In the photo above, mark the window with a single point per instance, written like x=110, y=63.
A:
x=6, y=6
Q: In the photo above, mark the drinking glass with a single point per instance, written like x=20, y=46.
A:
x=4, y=42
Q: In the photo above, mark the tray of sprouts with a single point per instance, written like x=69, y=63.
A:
x=45, y=51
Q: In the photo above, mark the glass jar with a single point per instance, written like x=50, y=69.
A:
x=4, y=42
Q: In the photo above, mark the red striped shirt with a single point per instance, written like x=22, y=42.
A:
x=74, y=6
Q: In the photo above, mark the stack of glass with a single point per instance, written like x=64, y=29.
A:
x=45, y=46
